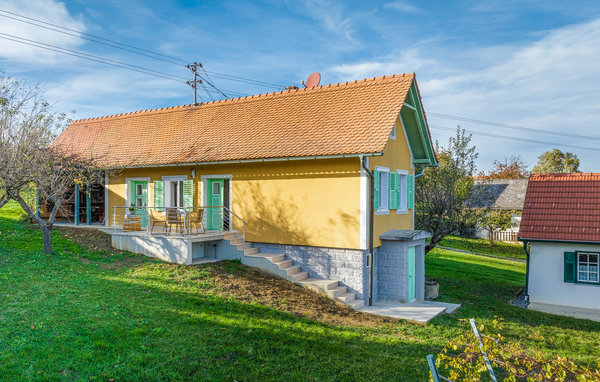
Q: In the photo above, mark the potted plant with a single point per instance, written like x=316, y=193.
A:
x=132, y=209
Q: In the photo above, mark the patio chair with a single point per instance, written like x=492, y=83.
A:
x=173, y=218
x=156, y=217
x=196, y=219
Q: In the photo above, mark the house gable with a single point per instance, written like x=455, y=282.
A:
x=415, y=126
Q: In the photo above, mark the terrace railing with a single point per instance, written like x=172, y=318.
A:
x=179, y=221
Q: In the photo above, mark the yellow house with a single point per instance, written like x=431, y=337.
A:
x=286, y=177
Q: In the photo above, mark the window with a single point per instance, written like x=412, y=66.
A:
x=174, y=191
x=176, y=197
x=402, y=191
x=587, y=267
x=381, y=179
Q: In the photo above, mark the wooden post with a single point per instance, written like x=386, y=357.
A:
x=488, y=364
x=76, y=204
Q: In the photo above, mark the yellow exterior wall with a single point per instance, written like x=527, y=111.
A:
x=396, y=156
x=301, y=202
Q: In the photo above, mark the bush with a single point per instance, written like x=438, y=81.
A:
x=461, y=360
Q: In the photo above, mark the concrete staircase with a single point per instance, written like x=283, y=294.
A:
x=278, y=264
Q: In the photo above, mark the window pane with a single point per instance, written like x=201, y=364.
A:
x=216, y=188
x=139, y=190
x=138, y=202
x=593, y=259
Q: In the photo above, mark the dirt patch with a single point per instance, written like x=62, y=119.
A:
x=90, y=239
x=248, y=284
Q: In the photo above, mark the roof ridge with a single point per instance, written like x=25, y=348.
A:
x=244, y=98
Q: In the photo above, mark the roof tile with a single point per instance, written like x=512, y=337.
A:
x=562, y=207
x=352, y=118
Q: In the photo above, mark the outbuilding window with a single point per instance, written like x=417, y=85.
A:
x=582, y=267
x=587, y=267
x=381, y=180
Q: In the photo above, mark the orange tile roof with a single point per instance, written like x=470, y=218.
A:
x=562, y=207
x=339, y=119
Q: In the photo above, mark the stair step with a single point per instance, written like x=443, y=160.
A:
x=339, y=291
x=290, y=271
x=320, y=285
x=236, y=241
x=251, y=251
x=284, y=263
x=356, y=303
x=299, y=276
x=231, y=235
x=272, y=257
x=346, y=297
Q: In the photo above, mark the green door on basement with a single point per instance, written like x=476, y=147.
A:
x=411, y=274
x=139, y=197
x=215, y=200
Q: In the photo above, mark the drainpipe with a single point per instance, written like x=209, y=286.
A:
x=370, y=175
x=526, y=270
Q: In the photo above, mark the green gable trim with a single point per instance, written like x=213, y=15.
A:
x=413, y=120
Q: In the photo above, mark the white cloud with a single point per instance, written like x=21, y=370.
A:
x=331, y=15
x=50, y=11
x=402, y=6
x=405, y=62
x=551, y=84
x=107, y=91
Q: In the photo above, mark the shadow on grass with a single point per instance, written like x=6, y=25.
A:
x=148, y=323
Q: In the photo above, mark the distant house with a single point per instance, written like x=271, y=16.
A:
x=561, y=224
x=504, y=194
x=302, y=183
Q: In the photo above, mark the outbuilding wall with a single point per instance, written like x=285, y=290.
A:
x=546, y=279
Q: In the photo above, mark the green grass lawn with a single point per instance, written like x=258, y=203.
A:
x=484, y=246
x=84, y=315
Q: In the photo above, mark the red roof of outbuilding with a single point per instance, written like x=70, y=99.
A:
x=562, y=207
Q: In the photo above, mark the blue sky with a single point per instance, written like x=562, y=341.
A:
x=533, y=64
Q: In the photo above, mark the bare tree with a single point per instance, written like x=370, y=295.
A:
x=28, y=161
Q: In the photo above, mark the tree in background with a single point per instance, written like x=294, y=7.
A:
x=556, y=161
x=512, y=168
x=445, y=197
x=495, y=220
x=28, y=162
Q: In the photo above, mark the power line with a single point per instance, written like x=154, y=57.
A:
x=129, y=48
x=107, y=61
x=89, y=57
x=79, y=34
x=438, y=127
x=514, y=127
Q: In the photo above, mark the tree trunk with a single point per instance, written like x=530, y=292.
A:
x=47, y=235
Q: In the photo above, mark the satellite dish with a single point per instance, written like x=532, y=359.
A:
x=313, y=80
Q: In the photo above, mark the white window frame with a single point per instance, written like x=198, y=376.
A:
x=384, y=191
x=403, y=185
x=588, y=272
x=167, y=188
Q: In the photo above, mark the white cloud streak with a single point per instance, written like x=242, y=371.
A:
x=50, y=11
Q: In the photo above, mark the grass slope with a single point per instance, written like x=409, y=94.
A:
x=483, y=246
x=91, y=315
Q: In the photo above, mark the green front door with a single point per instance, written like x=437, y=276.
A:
x=139, y=197
x=214, y=201
x=411, y=273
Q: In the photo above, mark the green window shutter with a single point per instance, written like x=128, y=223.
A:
x=159, y=194
x=375, y=189
x=188, y=193
x=570, y=267
x=411, y=191
x=393, y=201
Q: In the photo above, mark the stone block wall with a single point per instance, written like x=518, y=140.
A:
x=348, y=266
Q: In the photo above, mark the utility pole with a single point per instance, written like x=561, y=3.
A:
x=194, y=84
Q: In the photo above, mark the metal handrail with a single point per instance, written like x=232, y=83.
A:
x=187, y=222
